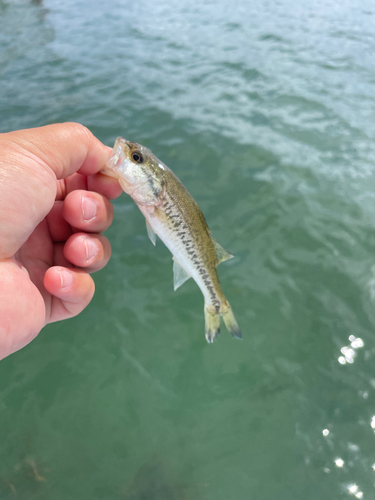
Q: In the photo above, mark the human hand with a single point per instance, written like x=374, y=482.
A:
x=53, y=207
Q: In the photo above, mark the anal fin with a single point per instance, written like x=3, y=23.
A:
x=179, y=274
x=151, y=233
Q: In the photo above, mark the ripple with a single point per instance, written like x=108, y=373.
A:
x=265, y=111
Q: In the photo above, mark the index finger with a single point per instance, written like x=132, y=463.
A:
x=100, y=183
x=64, y=147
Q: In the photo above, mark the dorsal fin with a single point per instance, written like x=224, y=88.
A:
x=221, y=253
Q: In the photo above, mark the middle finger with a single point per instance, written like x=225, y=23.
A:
x=87, y=211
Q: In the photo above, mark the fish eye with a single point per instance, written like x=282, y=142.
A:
x=137, y=157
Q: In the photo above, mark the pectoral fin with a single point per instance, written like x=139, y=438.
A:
x=151, y=233
x=221, y=253
x=179, y=274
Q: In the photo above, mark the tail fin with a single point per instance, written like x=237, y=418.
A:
x=230, y=321
x=213, y=319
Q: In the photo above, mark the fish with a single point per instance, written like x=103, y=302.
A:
x=173, y=215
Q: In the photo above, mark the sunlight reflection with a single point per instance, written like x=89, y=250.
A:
x=325, y=432
x=353, y=489
x=349, y=353
x=356, y=343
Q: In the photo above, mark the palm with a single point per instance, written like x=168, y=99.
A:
x=25, y=273
x=48, y=243
x=37, y=255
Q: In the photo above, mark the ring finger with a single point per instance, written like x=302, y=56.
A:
x=90, y=252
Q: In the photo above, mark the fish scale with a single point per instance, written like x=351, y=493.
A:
x=172, y=214
x=187, y=248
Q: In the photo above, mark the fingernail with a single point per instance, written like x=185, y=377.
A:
x=91, y=249
x=66, y=279
x=88, y=208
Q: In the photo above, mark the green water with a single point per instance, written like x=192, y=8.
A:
x=266, y=112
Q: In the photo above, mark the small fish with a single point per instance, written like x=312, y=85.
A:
x=172, y=214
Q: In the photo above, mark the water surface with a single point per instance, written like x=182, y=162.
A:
x=266, y=112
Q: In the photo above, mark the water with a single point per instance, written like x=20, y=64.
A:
x=266, y=112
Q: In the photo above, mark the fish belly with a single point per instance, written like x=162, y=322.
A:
x=180, y=253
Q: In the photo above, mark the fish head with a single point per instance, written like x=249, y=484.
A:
x=138, y=171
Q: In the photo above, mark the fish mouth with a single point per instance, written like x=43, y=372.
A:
x=119, y=154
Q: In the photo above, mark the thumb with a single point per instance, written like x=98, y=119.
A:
x=30, y=163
